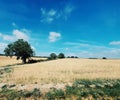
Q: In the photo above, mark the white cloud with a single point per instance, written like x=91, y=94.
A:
x=77, y=44
x=112, y=53
x=16, y=34
x=53, y=14
x=68, y=10
x=43, y=11
x=48, y=16
x=2, y=47
x=115, y=43
x=8, y=38
x=54, y=36
x=91, y=50
x=20, y=35
x=0, y=34
x=33, y=48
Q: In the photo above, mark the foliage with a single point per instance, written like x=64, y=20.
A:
x=19, y=48
x=72, y=57
x=104, y=58
x=61, y=55
x=11, y=94
x=80, y=90
x=54, y=94
x=52, y=56
x=5, y=70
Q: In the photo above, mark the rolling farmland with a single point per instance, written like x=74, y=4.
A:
x=65, y=70
x=56, y=78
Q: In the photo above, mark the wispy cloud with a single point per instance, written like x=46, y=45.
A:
x=0, y=34
x=68, y=10
x=14, y=24
x=54, y=14
x=87, y=50
x=112, y=53
x=48, y=16
x=115, y=43
x=77, y=44
x=2, y=47
x=54, y=36
x=16, y=34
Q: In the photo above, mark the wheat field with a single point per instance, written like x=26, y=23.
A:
x=5, y=61
x=64, y=71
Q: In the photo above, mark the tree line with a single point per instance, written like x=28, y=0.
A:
x=54, y=56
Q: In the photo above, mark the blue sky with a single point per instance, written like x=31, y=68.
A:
x=84, y=28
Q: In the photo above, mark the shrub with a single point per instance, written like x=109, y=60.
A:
x=55, y=94
x=36, y=93
x=32, y=61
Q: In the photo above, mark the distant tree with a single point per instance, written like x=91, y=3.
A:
x=20, y=48
x=104, y=58
x=68, y=56
x=61, y=55
x=52, y=56
x=76, y=57
x=72, y=57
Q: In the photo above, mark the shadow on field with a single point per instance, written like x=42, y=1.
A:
x=30, y=61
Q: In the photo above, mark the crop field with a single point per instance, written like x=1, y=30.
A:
x=7, y=61
x=61, y=79
x=64, y=71
x=4, y=61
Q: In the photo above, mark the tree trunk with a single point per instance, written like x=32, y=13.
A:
x=24, y=60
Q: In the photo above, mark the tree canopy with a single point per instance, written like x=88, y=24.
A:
x=61, y=55
x=53, y=56
x=20, y=48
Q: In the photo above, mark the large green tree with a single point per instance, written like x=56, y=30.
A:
x=20, y=48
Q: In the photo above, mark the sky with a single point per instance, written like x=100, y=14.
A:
x=83, y=28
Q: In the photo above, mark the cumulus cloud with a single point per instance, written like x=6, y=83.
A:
x=16, y=34
x=115, y=43
x=8, y=37
x=20, y=35
x=54, y=36
x=54, y=14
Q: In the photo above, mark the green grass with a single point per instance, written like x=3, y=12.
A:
x=98, y=89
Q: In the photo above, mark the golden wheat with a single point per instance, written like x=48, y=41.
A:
x=64, y=71
x=4, y=61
